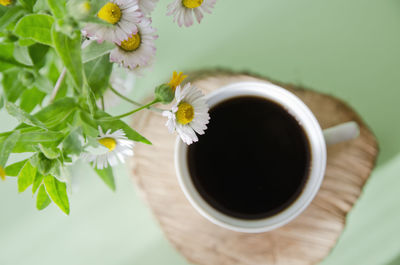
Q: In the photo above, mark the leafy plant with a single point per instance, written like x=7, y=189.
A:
x=54, y=77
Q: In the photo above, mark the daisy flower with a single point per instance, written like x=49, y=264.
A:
x=138, y=50
x=183, y=10
x=147, y=6
x=5, y=2
x=122, y=15
x=117, y=147
x=189, y=115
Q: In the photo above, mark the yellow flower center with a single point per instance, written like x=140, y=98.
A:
x=5, y=2
x=185, y=113
x=192, y=3
x=132, y=43
x=108, y=142
x=2, y=173
x=176, y=80
x=110, y=12
x=86, y=6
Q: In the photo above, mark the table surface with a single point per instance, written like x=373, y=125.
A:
x=348, y=48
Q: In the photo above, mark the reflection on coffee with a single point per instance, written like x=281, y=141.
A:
x=254, y=160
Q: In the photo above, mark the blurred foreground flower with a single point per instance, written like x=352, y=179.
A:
x=118, y=145
x=123, y=17
x=189, y=115
x=183, y=10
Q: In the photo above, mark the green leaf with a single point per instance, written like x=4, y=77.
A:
x=28, y=141
x=98, y=73
x=21, y=54
x=42, y=199
x=6, y=51
x=31, y=98
x=43, y=84
x=43, y=164
x=10, y=16
x=38, y=54
x=53, y=73
x=107, y=176
x=95, y=50
x=56, y=169
x=58, y=192
x=118, y=124
x=12, y=86
x=26, y=176
x=23, y=116
x=7, y=147
x=58, y=108
x=40, y=137
x=25, y=42
x=90, y=99
x=57, y=111
x=50, y=153
x=72, y=143
x=57, y=7
x=36, y=27
x=88, y=125
x=40, y=6
x=6, y=57
x=69, y=51
x=26, y=77
x=37, y=181
x=14, y=169
x=28, y=4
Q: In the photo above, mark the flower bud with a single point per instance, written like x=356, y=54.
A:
x=164, y=93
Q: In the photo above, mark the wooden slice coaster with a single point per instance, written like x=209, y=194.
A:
x=306, y=240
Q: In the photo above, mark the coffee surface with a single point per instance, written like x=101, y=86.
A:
x=253, y=161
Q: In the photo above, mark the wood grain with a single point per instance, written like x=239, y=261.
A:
x=306, y=240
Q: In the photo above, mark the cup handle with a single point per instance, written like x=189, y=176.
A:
x=342, y=132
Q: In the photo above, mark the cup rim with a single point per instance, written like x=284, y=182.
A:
x=306, y=119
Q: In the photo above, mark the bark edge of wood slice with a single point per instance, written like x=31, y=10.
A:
x=306, y=240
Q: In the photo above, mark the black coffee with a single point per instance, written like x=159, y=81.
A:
x=253, y=160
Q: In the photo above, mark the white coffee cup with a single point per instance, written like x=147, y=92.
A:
x=318, y=140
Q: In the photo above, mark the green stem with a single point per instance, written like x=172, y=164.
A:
x=132, y=101
x=125, y=98
x=102, y=103
x=131, y=112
